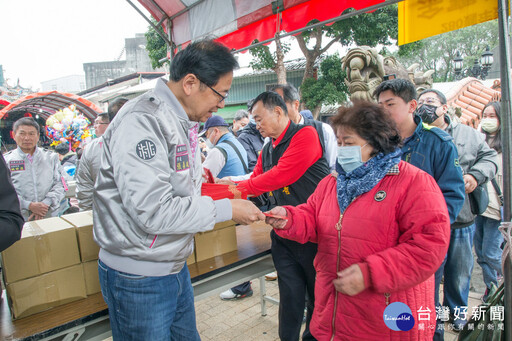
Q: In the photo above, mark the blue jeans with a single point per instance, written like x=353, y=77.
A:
x=488, y=240
x=456, y=268
x=149, y=308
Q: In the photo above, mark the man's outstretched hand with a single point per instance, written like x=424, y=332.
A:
x=245, y=212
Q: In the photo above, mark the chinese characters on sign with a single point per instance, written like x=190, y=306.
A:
x=497, y=313
x=420, y=19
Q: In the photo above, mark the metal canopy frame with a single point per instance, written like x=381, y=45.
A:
x=168, y=20
x=46, y=104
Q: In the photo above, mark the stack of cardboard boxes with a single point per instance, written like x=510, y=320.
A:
x=43, y=269
x=55, y=262
x=89, y=250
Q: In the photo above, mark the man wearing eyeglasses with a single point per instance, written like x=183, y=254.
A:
x=147, y=202
x=101, y=124
x=35, y=173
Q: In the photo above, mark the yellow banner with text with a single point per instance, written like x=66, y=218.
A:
x=420, y=19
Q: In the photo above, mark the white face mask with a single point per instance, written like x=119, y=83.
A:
x=209, y=144
x=349, y=157
x=489, y=125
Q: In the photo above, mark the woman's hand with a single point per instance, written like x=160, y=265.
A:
x=350, y=281
x=276, y=222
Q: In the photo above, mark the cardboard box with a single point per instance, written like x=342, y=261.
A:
x=83, y=222
x=220, y=240
x=192, y=258
x=46, y=245
x=92, y=279
x=46, y=291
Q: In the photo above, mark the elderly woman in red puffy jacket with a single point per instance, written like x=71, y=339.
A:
x=382, y=229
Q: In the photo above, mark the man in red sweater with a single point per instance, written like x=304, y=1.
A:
x=288, y=168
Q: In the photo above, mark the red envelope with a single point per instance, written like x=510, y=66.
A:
x=209, y=176
x=221, y=191
x=275, y=216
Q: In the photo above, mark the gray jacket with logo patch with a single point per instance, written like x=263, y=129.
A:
x=36, y=181
x=87, y=172
x=147, y=202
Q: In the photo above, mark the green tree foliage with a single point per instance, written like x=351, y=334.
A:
x=437, y=53
x=264, y=59
x=371, y=29
x=155, y=45
x=329, y=88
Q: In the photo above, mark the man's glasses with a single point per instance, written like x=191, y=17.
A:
x=429, y=101
x=216, y=92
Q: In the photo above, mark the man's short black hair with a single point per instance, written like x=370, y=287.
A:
x=206, y=59
x=270, y=100
x=290, y=93
x=25, y=121
x=104, y=117
x=114, y=106
x=439, y=94
x=62, y=148
x=402, y=88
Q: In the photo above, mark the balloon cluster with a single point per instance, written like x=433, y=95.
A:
x=67, y=125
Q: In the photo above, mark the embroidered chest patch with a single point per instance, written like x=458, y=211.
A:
x=17, y=165
x=146, y=149
x=182, y=159
x=380, y=195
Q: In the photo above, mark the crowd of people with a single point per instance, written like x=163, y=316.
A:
x=371, y=209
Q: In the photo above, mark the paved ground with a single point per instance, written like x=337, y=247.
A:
x=238, y=320
x=241, y=320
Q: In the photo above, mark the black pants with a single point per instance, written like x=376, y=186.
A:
x=296, y=279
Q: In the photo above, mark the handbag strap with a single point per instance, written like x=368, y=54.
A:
x=498, y=190
x=237, y=153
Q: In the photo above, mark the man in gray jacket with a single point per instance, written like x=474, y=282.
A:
x=147, y=203
x=89, y=165
x=478, y=162
x=35, y=173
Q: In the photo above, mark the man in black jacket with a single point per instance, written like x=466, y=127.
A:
x=252, y=141
x=11, y=220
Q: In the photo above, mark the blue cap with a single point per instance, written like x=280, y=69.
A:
x=214, y=121
x=307, y=114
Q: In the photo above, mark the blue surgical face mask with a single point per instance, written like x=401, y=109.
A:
x=349, y=157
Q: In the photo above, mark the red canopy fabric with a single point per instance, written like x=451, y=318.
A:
x=45, y=104
x=237, y=23
x=4, y=103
